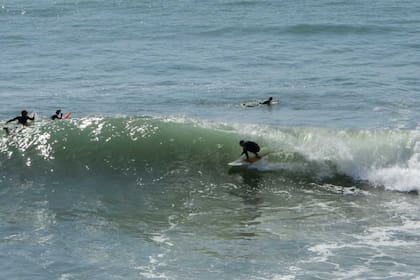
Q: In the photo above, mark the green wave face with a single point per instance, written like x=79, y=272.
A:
x=107, y=145
x=144, y=146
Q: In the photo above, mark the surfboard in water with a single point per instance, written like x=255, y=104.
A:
x=258, y=103
x=67, y=115
x=251, y=104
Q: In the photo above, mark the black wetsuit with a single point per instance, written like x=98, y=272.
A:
x=267, y=102
x=23, y=120
x=56, y=116
x=252, y=147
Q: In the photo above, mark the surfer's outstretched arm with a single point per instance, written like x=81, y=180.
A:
x=11, y=120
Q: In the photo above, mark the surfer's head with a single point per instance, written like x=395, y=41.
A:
x=242, y=142
x=58, y=112
x=24, y=113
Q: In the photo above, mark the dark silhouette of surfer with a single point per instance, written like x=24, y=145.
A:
x=267, y=102
x=249, y=146
x=58, y=115
x=22, y=119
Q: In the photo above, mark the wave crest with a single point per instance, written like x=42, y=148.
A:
x=388, y=158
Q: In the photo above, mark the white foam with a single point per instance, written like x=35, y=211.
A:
x=390, y=158
x=284, y=277
x=396, y=178
x=323, y=251
x=151, y=271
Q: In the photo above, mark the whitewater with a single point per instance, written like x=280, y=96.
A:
x=136, y=184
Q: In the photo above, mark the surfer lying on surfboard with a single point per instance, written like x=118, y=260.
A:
x=249, y=146
x=270, y=101
x=59, y=116
x=267, y=102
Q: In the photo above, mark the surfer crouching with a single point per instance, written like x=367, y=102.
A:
x=249, y=146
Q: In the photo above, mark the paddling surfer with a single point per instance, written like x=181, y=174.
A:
x=58, y=115
x=22, y=119
x=267, y=102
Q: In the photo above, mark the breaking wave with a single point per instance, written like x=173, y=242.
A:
x=137, y=145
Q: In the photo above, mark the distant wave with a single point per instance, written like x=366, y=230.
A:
x=299, y=29
x=336, y=29
x=241, y=3
x=105, y=146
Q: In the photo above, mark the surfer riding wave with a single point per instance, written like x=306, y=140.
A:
x=249, y=146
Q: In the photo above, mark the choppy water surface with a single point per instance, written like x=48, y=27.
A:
x=136, y=184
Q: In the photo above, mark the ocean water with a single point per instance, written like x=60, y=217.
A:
x=135, y=185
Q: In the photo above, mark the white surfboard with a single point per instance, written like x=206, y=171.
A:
x=251, y=104
x=239, y=162
x=244, y=162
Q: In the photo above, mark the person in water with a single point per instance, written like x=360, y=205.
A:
x=58, y=115
x=267, y=102
x=249, y=146
x=23, y=119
